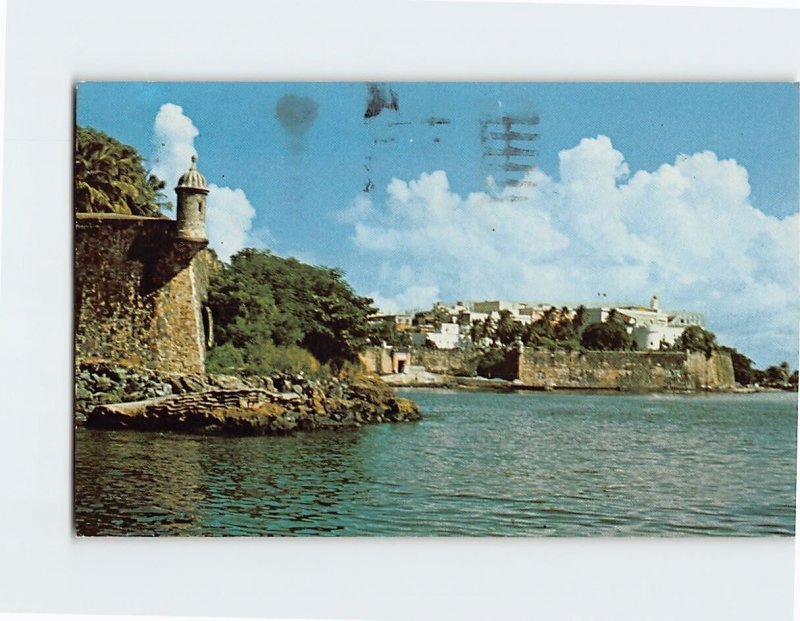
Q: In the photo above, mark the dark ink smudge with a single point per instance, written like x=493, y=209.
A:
x=295, y=113
x=437, y=121
x=378, y=100
x=508, y=138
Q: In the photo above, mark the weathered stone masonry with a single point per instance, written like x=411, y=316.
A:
x=588, y=370
x=627, y=371
x=139, y=291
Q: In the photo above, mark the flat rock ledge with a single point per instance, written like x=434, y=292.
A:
x=259, y=411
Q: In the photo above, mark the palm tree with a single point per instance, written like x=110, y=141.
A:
x=577, y=319
x=489, y=328
x=477, y=331
x=110, y=177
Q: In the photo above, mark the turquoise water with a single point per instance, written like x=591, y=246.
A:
x=478, y=464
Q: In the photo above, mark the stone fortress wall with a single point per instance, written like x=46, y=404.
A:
x=627, y=371
x=589, y=370
x=139, y=293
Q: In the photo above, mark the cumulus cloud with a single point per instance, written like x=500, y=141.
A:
x=229, y=213
x=412, y=297
x=686, y=231
x=173, y=138
x=229, y=220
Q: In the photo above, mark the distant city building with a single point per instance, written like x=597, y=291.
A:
x=449, y=325
x=649, y=326
x=489, y=306
x=447, y=337
x=530, y=314
x=401, y=322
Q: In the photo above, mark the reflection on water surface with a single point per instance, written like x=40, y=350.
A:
x=478, y=464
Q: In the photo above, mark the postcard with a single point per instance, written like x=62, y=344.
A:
x=435, y=309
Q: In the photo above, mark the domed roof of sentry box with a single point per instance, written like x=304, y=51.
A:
x=192, y=179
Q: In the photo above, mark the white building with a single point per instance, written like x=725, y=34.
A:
x=489, y=306
x=447, y=337
x=649, y=326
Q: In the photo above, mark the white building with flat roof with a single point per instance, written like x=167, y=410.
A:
x=489, y=306
x=448, y=336
x=649, y=326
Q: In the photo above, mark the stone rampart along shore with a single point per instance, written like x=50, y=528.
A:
x=115, y=397
x=630, y=371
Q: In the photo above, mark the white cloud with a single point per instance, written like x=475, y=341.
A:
x=229, y=214
x=410, y=298
x=173, y=139
x=229, y=217
x=686, y=231
x=358, y=210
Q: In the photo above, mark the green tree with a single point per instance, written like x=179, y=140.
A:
x=490, y=328
x=110, y=177
x=578, y=318
x=260, y=298
x=695, y=338
x=777, y=375
x=507, y=330
x=489, y=362
x=266, y=357
x=224, y=359
x=606, y=336
x=539, y=335
x=477, y=331
x=556, y=329
x=440, y=315
x=759, y=376
x=387, y=332
x=565, y=328
x=244, y=308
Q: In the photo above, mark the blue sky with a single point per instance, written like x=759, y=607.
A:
x=637, y=189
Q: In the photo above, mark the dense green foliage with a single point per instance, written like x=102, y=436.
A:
x=110, y=177
x=557, y=329
x=695, y=338
x=777, y=376
x=387, y=332
x=489, y=361
x=507, y=331
x=434, y=318
x=266, y=307
x=225, y=358
x=606, y=336
x=266, y=356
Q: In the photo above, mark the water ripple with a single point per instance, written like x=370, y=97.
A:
x=478, y=464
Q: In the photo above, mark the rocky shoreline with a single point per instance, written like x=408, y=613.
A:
x=116, y=397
